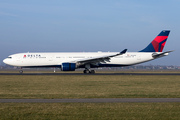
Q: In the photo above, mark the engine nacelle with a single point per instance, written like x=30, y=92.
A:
x=68, y=66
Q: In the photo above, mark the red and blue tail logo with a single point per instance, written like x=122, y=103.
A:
x=158, y=43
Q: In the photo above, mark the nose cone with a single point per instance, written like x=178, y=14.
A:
x=5, y=61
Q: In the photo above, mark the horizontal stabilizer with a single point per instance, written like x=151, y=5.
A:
x=155, y=55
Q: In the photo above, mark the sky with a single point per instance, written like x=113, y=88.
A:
x=89, y=26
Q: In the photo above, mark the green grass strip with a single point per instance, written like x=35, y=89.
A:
x=89, y=111
x=89, y=86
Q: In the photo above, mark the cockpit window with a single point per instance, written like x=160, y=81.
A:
x=9, y=57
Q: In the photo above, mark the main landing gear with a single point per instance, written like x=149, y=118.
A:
x=87, y=69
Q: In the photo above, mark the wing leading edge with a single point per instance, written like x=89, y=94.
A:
x=97, y=60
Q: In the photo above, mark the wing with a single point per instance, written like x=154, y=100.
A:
x=97, y=60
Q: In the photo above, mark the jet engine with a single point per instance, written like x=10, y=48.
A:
x=68, y=66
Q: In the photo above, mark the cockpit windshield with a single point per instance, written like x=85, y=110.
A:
x=10, y=57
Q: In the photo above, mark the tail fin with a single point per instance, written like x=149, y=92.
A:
x=158, y=43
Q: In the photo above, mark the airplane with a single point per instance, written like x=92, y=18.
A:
x=70, y=61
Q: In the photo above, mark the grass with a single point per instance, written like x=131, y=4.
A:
x=90, y=111
x=89, y=86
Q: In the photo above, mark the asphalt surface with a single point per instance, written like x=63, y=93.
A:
x=93, y=100
x=90, y=74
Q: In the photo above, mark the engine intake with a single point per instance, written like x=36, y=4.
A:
x=68, y=66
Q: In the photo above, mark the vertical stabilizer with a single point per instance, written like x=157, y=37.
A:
x=158, y=43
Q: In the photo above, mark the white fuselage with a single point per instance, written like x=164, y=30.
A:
x=56, y=59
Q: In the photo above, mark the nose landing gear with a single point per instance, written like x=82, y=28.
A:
x=20, y=71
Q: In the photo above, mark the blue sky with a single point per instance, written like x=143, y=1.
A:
x=88, y=25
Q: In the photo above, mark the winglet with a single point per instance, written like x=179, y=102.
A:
x=123, y=52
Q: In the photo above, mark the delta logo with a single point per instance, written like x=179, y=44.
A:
x=32, y=56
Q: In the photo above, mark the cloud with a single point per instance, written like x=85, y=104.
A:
x=7, y=14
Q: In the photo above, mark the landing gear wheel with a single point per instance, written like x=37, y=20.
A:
x=20, y=71
x=85, y=71
x=92, y=71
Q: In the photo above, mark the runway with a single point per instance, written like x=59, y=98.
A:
x=93, y=100
x=90, y=74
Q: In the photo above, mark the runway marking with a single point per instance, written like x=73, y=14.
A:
x=95, y=100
